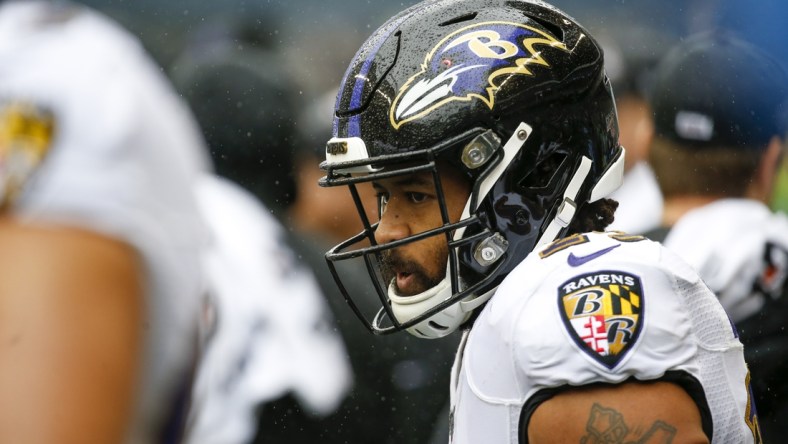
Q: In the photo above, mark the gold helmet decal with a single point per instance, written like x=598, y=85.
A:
x=472, y=63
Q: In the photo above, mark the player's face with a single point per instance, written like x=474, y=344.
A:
x=409, y=206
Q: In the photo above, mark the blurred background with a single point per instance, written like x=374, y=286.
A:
x=261, y=77
x=316, y=39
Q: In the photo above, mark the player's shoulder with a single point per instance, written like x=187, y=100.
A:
x=595, y=307
x=778, y=227
x=89, y=122
x=593, y=258
x=42, y=26
x=244, y=234
x=596, y=263
x=583, y=248
x=743, y=260
x=66, y=44
x=102, y=91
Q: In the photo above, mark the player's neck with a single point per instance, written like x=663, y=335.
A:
x=677, y=206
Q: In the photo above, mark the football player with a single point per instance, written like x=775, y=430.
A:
x=489, y=133
x=270, y=331
x=275, y=345
x=100, y=234
x=721, y=116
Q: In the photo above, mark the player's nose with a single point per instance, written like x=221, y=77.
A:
x=392, y=226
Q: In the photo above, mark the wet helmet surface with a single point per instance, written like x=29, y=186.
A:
x=512, y=94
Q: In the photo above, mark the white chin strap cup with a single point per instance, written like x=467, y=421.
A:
x=439, y=325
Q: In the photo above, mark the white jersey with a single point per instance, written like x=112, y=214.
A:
x=598, y=308
x=273, y=331
x=97, y=140
x=743, y=260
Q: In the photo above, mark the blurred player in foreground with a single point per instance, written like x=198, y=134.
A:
x=244, y=102
x=399, y=379
x=489, y=133
x=100, y=234
x=721, y=115
x=272, y=333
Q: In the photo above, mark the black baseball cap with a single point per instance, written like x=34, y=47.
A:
x=715, y=89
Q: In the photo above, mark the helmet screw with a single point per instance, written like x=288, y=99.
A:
x=475, y=155
x=488, y=254
x=480, y=149
x=490, y=250
x=522, y=134
x=521, y=217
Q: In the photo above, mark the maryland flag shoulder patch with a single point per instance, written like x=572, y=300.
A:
x=603, y=313
x=26, y=132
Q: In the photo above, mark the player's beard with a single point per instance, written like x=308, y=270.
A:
x=421, y=279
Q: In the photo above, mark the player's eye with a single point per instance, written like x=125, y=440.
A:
x=416, y=197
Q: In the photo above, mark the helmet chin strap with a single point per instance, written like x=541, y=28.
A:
x=448, y=320
x=442, y=323
x=568, y=207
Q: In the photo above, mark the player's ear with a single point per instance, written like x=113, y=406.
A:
x=766, y=174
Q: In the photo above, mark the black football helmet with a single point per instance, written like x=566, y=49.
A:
x=500, y=90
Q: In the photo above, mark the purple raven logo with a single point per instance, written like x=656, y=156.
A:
x=470, y=63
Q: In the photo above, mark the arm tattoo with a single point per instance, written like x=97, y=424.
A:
x=606, y=426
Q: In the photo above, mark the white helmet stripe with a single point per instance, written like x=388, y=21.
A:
x=510, y=149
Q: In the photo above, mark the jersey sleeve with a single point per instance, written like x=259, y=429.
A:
x=616, y=316
x=606, y=308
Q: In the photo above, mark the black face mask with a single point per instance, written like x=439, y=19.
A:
x=514, y=95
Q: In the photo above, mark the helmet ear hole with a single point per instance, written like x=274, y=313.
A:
x=460, y=19
x=542, y=176
x=552, y=28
